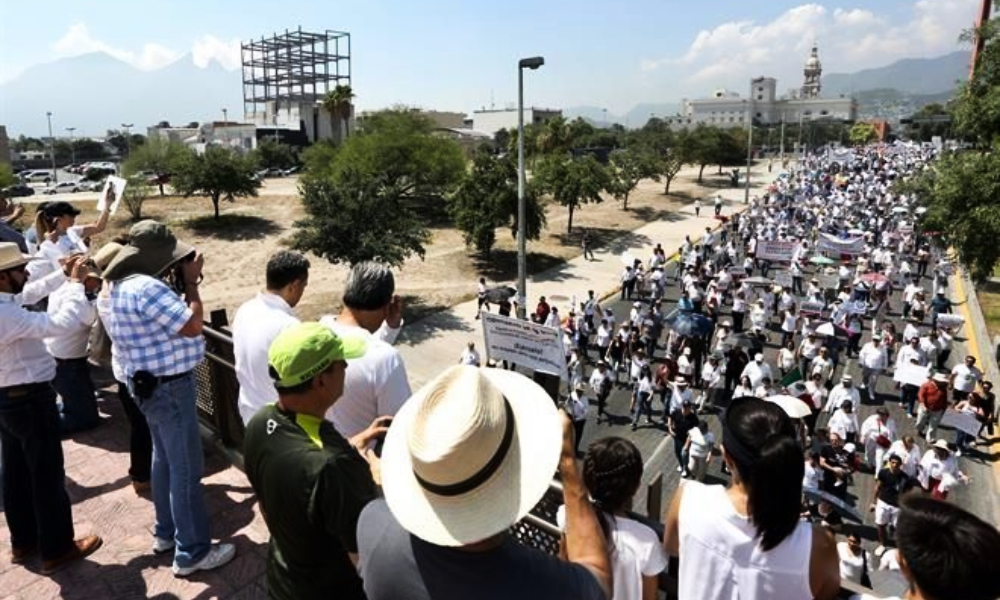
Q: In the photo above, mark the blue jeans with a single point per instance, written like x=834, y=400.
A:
x=643, y=404
x=177, y=469
x=76, y=389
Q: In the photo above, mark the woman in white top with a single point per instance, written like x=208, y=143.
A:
x=745, y=388
x=748, y=541
x=788, y=325
x=853, y=559
x=60, y=236
x=612, y=472
x=786, y=358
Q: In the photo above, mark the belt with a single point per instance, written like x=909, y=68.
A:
x=70, y=360
x=19, y=391
x=166, y=378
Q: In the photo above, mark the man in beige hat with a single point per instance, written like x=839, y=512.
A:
x=465, y=459
x=155, y=324
x=36, y=505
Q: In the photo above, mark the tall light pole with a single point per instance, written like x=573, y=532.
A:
x=52, y=149
x=746, y=189
x=72, y=150
x=522, y=227
x=128, y=138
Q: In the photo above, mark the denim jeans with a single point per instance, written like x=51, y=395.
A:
x=177, y=469
x=35, y=501
x=76, y=389
x=643, y=404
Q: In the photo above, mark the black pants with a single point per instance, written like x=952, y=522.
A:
x=140, y=444
x=738, y=321
x=36, y=504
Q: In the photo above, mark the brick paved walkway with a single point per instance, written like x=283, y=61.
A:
x=104, y=503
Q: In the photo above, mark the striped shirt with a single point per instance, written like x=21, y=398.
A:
x=144, y=324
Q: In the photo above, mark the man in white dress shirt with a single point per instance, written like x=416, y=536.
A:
x=842, y=392
x=36, y=504
x=376, y=384
x=258, y=321
x=873, y=359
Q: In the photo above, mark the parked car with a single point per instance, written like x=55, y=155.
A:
x=17, y=191
x=64, y=187
x=291, y=171
x=94, y=186
x=43, y=176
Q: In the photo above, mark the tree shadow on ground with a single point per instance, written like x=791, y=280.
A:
x=501, y=265
x=426, y=320
x=232, y=227
x=651, y=213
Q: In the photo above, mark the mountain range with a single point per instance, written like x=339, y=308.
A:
x=95, y=92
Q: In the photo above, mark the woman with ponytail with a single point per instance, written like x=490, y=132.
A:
x=747, y=541
x=612, y=472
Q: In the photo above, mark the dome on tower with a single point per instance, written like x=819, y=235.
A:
x=813, y=61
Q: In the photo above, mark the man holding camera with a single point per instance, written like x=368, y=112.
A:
x=156, y=327
x=36, y=504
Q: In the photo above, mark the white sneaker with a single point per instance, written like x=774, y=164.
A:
x=162, y=545
x=218, y=555
x=680, y=469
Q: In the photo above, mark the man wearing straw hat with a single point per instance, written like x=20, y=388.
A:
x=155, y=324
x=36, y=505
x=465, y=459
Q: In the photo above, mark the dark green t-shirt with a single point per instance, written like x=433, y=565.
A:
x=312, y=486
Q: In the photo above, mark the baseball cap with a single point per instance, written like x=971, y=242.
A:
x=304, y=350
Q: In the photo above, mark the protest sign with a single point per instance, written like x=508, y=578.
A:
x=858, y=307
x=776, y=250
x=738, y=271
x=948, y=321
x=828, y=282
x=111, y=195
x=962, y=421
x=810, y=306
x=782, y=278
x=853, y=245
x=911, y=374
x=524, y=343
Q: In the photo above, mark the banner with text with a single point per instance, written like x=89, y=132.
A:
x=524, y=343
x=776, y=250
x=829, y=243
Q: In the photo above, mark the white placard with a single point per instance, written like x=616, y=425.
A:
x=739, y=271
x=962, y=421
x=828, y=282
x=911, y=374
x=810, y=306
x=949, y=321
x=524, y=343
x=829, y=243
x=776, y=250
x=114, y=190
x=782, y=278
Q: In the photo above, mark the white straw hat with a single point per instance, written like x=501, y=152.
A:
x=469, y=454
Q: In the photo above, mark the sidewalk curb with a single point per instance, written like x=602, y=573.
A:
x=978, y=334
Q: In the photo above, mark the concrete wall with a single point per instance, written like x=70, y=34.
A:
x=492, y=121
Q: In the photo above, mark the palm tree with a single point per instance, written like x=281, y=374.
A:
x=338, y=102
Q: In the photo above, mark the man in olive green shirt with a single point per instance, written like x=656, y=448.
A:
x=311, y=482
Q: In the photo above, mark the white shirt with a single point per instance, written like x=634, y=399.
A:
x=842, y=423
x=757, y=372
x=910, y=458
x=703, y=448
x=25, y=359
x=578, y=405
x=873, y=357
x=256, y=324
x=839, y=394
x=908, y=353
x=786, y=358
x=812, y=475
x=721, y=558
x=872, y=427
x=469, y=357
x=851, y=565
x=685, y=366
x=965, y=377
x=72, y=344
x=375, y=384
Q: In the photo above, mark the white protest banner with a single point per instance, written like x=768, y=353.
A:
x=948, y=321
x=776, y=250
x=828, y=282
x=829, y=243
x=738, y=271
x=524, y=343
x=782, y=278
x=114, y=190
x=911, y=374
x=962, y=421
x=809, y=306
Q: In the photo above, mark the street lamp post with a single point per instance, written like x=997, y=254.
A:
x=746, y=187
x=52, y=149
x=128, y=138
x=522, y=227
x=72, y=150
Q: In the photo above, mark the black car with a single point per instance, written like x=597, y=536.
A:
x=17, y=191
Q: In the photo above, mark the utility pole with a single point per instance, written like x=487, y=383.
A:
x=746, y=189
x=782, y=139
x=72, y=150
x=52, y=149
x=128, y=138
x=522, y=226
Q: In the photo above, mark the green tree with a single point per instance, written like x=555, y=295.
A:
x=487, y=200
x=136, y=193
x=977, y=108
x=24, y=144
x=572, y=182
x=218, y=173
x=714, y=146
x=270, y=154
x=862, y=134
x=931, y=120
x=373, y=198
x=627, y=169
x=339, y=102
x=6, y=176
x=158, y=156
x=554, y=137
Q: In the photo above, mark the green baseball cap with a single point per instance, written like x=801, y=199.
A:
x=305, y=350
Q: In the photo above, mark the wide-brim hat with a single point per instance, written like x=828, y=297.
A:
x=469, y=454
x=151, y=250
x=11, y=256
x=941, y=445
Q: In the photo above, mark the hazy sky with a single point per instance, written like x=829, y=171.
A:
x=452, y=55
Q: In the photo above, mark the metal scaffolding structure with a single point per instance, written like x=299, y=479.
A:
x=295, y=67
